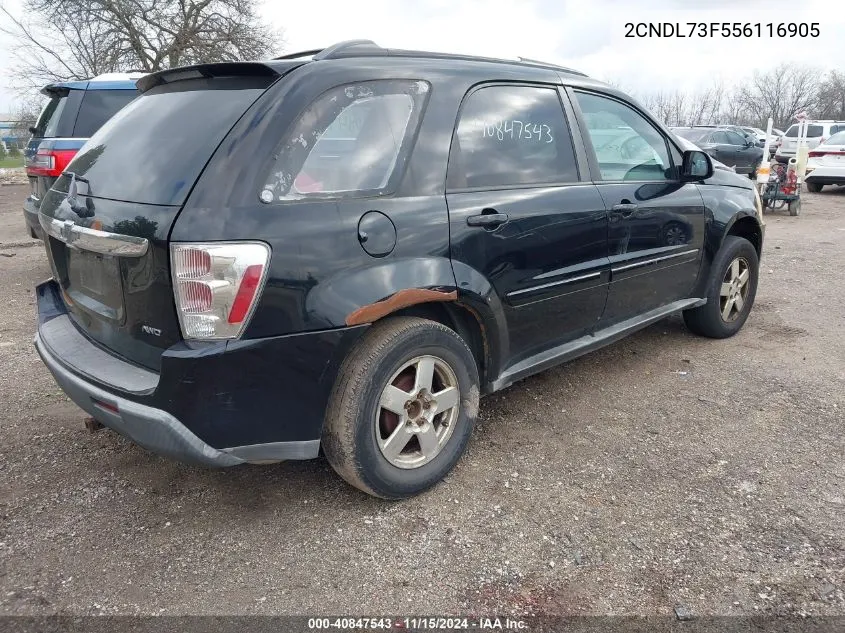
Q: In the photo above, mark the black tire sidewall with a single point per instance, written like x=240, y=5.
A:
x=376, y=472
x=732, y=248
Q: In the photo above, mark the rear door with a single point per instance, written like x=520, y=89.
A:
x=520, y=214
x=656, y=222
x=109, y=215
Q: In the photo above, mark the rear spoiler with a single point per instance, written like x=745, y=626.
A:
x=219, y=69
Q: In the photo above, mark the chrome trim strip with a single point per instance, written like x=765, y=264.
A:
x=102, y=242
x=555, y=283
x=652, y=261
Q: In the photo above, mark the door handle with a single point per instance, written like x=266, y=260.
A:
x=489, y=219
x=626, y=209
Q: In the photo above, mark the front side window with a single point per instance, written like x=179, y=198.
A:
x=627, y=146
x=352, y=141
x=735, y=139
x=510, y=136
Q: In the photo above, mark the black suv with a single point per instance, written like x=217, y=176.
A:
x=346, y=248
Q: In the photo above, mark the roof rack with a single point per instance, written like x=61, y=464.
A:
x=537, y=62
x=336, y=50
x=351, y=48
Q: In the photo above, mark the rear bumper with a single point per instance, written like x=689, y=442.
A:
x=216, y=405
x=30, y=216
x=154, y=429
x=826, y=174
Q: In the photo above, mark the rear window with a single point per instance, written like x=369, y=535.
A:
x=48, y=120
x=836, y=139
x=98, y=106
x=154, y=149
x=813, y=131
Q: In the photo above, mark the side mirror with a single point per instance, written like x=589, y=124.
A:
x=696, y=166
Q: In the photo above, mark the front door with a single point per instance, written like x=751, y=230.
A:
x=656, y=222
x=520, y=215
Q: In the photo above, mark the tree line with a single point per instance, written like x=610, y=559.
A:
x=61, y=40
x=780, y=93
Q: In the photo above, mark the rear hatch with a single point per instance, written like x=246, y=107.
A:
x=790, y=139
x=109, y=215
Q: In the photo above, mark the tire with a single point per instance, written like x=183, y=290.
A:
x=814, y=187
x=708, y=319
x=795, y=207
x=358, y=430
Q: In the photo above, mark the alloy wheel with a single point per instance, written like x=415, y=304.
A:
x=734, y=290
x=417, y=412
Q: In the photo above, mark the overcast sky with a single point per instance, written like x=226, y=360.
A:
x=586, y=35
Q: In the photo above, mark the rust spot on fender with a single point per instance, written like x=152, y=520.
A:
x=402, y=299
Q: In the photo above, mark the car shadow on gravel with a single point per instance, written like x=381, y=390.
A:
x=263, y=488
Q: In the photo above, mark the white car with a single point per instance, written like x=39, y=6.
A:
x=826, y=164
x=817, y=132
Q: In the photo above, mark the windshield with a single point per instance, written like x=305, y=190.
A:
x=693, y=134
x=153, y=150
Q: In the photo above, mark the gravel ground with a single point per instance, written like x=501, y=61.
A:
x=665, y=471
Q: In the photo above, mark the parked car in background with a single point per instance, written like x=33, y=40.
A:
x=826, y=163
x=817, y=132
x=73, y=112
x=745, y=132
x=727, y=146
x=688, y=145
x=774, y=141
x=343, y=250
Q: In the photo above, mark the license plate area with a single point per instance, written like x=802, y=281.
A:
x=93, y=282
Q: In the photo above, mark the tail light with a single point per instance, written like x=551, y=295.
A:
x=816, y=154
x=217, y=286
x=50, y=162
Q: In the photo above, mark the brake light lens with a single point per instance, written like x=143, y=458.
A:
x=815, y=154
x=50, y=162
x=217, y=285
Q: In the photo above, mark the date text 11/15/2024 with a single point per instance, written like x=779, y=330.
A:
x=721, y=29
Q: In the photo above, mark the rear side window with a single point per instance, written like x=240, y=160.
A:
x=834, y=129
x=48, y=120
x=97, y=107
x=353, y=141
x=511, y=135
x=153, y=150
